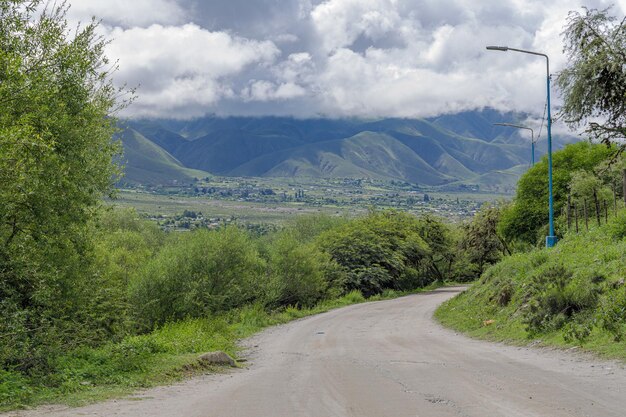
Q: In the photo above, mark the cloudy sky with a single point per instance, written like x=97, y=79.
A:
x=307, y=58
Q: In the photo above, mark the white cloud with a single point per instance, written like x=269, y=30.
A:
x=183, y=70
x=268, y=91
x=333, y=57
x=339, y=23
x=440, y=64
x=128, y=13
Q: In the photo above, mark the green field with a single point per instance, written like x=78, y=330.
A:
x=276, y=200
x=150, y=205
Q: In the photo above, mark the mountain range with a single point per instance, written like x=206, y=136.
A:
x=464, y=148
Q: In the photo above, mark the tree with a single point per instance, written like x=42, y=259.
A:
x=594, y=83
x=198, y=274
x=586, y=187
x=442, y=244
x=380, y=251
x=481, y=241
x=529, y=212
x=56, y=152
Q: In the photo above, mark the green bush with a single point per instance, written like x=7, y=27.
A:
x=299, y=274
x=617, y=228
x=308, y=227
x=14, y=388
x=442, y=241
x=198, y=274
x=573, y=293
x=382, y=250
x=612, y=313
x=56, y=165
x=554, y=297
x=523, y=219
x=480, y=243
x=123, y=244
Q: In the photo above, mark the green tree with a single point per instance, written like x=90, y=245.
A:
x=197, y=274
x=56, y=151
x=442, y=244
x=300, y=274
x=123, y=244
x=594, y=82
x=382, y=250
x=587, y=188
x=529, y=212
x=481, y=242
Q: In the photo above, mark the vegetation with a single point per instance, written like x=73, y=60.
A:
x=572, y=295
x=97, y=299
x=594, y=82
x=525, y=218
x=156, y=298
x=55, y=166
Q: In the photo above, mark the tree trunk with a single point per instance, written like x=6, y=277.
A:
x=615, y=199
x=624, y=184
x=586, y=215
x=569, y=212
x=597, y=204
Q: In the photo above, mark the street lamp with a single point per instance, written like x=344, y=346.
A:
x=532, y=138
x=551, y=239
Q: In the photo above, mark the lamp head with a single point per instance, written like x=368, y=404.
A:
x=498, y=48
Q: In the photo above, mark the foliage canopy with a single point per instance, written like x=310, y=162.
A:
x=594, y=82
x=56, y=152
x=524, y=219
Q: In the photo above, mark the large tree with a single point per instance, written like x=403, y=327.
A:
x=56, y=163
x=525, y=219
x=594, y=82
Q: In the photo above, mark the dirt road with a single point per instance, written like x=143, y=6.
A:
x=385, y=359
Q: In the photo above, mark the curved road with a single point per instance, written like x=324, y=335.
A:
x=384, y=359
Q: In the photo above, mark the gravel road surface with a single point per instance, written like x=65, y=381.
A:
x=383, y=359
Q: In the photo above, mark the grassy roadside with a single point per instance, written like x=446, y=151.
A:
x=167, y=355
x=464, y=315
x=572, y=296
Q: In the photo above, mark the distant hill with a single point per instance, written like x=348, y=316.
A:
x=147, y=163
x=452, y=149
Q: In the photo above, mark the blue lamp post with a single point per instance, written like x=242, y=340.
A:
x=551, y=239
x=532, y=138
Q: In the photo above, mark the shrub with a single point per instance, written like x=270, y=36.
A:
x=382, y=250
x=617, y=228
x=298, y=273
x=527, y=215
x=481, y=242
x=197, y=274
x=612, y=313
x=553, y=298
x=14, y=388
x=306, y=228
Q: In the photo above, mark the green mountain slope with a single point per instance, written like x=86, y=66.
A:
x=448, y=149
x=367, y=154
x=147, y=163
x=223, y=150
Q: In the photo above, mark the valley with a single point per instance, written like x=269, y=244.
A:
x=261, y=203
